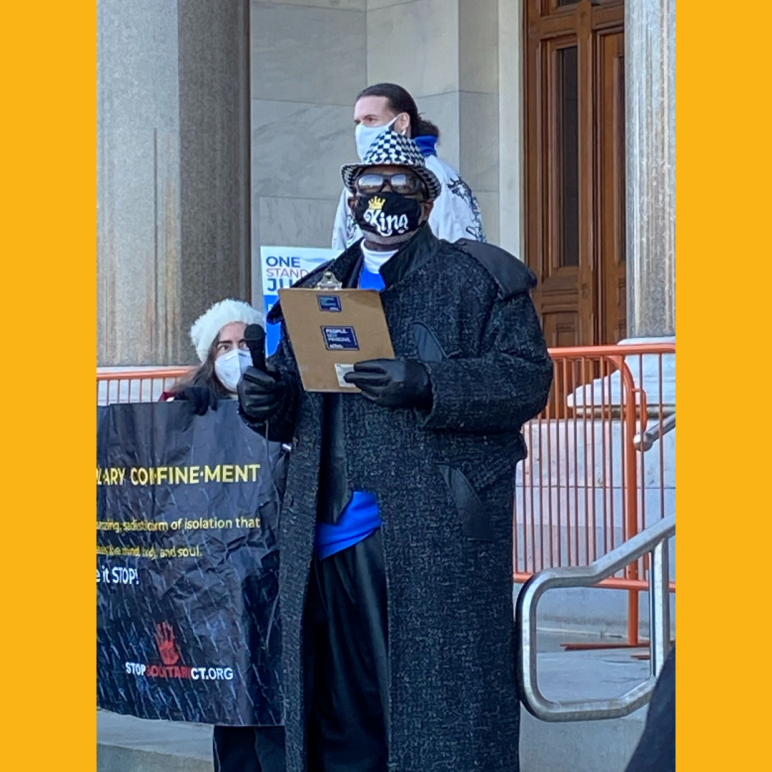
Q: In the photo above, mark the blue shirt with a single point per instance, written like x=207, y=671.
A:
x=369, y=280
x=358, y=520
x=360, y=517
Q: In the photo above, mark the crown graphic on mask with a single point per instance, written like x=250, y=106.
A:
x=376, y=203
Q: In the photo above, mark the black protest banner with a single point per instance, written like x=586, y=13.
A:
x=187, y=565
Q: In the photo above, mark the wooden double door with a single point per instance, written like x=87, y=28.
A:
x=575, y=168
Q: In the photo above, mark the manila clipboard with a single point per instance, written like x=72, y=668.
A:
x=332, y=329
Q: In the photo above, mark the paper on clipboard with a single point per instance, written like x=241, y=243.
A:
x=332, y=329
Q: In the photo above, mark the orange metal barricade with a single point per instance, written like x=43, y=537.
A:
x=137, y=384
x=584, y=488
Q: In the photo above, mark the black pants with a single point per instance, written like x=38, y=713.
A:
x=346, y=661
x=248, y=748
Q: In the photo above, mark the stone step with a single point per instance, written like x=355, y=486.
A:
x=128, y=744
x=580, y=746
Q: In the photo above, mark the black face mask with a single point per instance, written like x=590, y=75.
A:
x=387, y=214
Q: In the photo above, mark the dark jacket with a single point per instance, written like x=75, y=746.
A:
x=444, y=483
x=656, y=749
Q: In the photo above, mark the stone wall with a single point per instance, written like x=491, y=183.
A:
x=445, y=52
x=222, y=126
x=308, y=62
x=309, y=59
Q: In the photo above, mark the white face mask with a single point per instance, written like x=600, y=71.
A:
x=231, y=366
x=366, y=135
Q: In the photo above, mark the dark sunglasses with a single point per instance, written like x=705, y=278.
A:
x=404, y=183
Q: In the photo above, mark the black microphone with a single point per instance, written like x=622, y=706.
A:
x=254, y=337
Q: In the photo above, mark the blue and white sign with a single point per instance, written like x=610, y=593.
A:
x=330, y=303
x=280, y=268
x=337, y=338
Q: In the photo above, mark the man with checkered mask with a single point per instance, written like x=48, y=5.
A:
x=396, y=529
x=393, y=193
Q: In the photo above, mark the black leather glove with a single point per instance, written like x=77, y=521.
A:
x=200, y=398
x=393, y=382
x=260, y=394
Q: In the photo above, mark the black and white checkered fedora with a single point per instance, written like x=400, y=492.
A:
x=392, y=149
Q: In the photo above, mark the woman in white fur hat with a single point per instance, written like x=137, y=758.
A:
x=218, y=337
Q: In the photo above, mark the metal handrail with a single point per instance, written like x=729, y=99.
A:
x=653, y=540
x=645, y=440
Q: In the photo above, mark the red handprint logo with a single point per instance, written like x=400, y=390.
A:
x=164, y=638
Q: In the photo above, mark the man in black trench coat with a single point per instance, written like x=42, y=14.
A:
x=396, y=531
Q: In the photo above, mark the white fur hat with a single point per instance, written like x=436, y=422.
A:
x=206, y=328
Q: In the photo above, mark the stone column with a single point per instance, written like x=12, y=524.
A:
x=650, y=130
x=172, y=172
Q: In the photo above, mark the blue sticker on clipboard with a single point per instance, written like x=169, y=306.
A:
x=337, y=338
x=329, y=303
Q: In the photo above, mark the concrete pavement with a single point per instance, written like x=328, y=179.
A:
x=127, y=744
